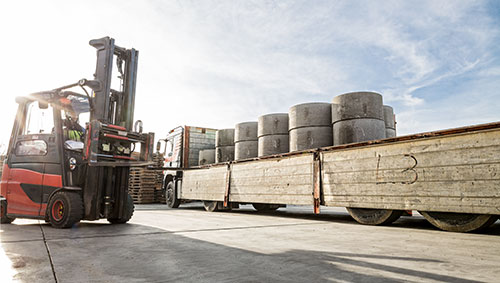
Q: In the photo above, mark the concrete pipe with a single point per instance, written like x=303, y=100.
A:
x=206, y=156
x=310, y=137
x=390, y=122
x=224, y=137
x=246, y=131
x=358, y=130
x=245, y=149
x=224, y=154
x=273, y=144
x=390, y=133
x=310, y=126
x=310, y=114
x=357, y=105
x=272, y=124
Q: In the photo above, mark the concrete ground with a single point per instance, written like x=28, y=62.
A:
x=191, y=245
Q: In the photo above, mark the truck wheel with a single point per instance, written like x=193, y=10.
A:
x=370, y=216
x=211, y=206
x=459, y=222
x=4, y=219
x=171, y=196
x=127, y=213
x=265, y=207
x=65, y=209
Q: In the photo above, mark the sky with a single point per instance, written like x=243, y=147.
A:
x=217, y=63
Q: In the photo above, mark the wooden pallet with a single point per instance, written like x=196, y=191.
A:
x=145, y=184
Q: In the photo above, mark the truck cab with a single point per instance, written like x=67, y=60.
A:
x=181, y=149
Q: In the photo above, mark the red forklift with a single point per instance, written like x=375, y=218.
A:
x=70, y=151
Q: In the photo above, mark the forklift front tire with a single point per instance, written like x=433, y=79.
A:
x=65, y=209
x=127, y=214
x=4, y=219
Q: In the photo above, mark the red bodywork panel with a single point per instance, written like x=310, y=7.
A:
x=17, y=199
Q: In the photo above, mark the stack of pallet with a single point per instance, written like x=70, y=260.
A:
x=158, y=164
x=142, y=185
x=158, y=160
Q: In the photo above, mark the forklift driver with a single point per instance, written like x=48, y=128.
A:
x=72, y=129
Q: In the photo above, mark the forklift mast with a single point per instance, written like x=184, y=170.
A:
x=111, y=138
x=112, y=106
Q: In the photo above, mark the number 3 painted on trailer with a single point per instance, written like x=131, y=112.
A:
x=412, y=168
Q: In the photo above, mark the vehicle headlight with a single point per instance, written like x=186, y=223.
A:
x=72, y=163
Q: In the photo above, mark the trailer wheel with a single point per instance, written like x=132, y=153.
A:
x=171, y=196
x=265, y=207
x=127, y=214
x=4, y=219
x=65, y=209
x=369, y=216
x=459, y=222
x=211, y=206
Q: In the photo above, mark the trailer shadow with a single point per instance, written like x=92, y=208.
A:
x=139, y=253
x=337, y=215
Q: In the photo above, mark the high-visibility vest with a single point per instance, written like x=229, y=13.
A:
x=75, y=135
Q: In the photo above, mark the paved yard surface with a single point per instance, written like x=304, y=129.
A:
x=191, y=245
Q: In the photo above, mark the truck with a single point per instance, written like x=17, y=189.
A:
x=452, y=177
x=181, y=148
x=70, y=152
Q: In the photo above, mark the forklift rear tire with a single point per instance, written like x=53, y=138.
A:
x=65, y=209
x=4, y=219
x=171, y=196
x=129, y=211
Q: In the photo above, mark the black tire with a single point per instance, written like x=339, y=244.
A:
x=127, y=213
x=4, y=219
x=171, y=196
x=265, y=207
x=368, y=216
x=459, y=222
x=211, y=206
x=65, y=209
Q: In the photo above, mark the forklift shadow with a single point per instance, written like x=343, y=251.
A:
x=134, y=252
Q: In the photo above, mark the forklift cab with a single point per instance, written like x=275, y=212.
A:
x=43, y=154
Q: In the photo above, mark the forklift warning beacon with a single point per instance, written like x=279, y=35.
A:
x=70, y=152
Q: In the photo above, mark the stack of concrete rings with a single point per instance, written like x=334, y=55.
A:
x=224, y=145
x=357, y=117
x=272, y=134
x=245, y=140
x=310, y=126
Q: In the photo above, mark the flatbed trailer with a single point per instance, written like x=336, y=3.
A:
x=452, y=177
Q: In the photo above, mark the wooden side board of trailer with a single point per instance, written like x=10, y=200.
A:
x=453, y=171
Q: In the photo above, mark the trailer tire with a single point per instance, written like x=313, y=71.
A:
x=65, y=209
x=4, y=219
x=369, y=216
x=171, y=196
x=129, y=211
x=265, y=207
x=459, y=222
x=211, y=206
